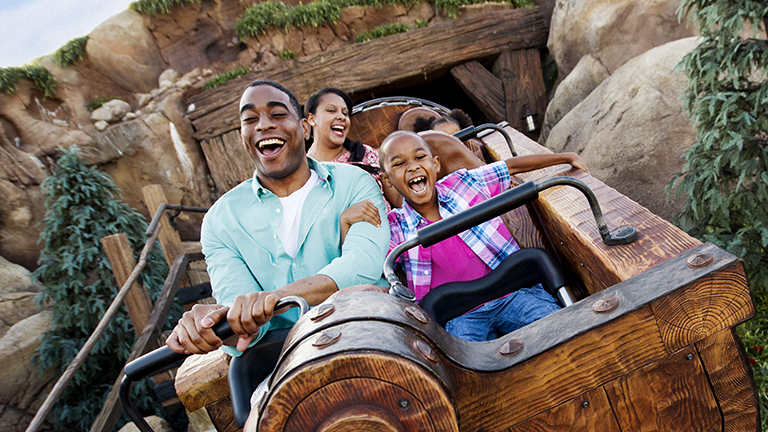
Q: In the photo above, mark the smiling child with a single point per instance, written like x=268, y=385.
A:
x=408, y=165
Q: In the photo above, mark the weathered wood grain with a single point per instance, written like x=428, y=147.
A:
x=570, y=224
x=202, y=380
x=672, y=395
x=485, y=90
x=580, y=414
x=382, y=62
x=372, y=126
x=731, y=379
x=523, y=83
x=717, y=302
x=221, y=415
x=393, y=372
x=227, y=160
x=121, y=259
x=169, y=239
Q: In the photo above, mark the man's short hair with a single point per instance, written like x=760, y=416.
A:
x=291, y=97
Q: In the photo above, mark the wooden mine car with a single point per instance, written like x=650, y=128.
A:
x=648, y=345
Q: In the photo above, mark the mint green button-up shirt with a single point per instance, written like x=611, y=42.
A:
x=244, y=254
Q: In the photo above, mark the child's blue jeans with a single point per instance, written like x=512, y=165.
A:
x=501, y=316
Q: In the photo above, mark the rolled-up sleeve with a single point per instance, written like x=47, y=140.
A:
x=365, y=246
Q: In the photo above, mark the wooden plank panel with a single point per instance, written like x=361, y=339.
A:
x=485, y=90
x=588, y=412
x=523, y=83
x=227, y=160
x=669, y=395
x=571, y=225
x=381, y=62
x=202, y=380
x=222, y=416
x=717, y=302
x=731, y=379
x=372, y=126
x=558, y=375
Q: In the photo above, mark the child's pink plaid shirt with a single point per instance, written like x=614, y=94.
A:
x=458, y=191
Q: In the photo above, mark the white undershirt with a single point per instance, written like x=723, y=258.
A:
x=288, y=231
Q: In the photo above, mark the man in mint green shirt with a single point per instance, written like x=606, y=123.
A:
x=278, y=233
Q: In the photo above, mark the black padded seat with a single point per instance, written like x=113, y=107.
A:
x=524, y=268
x=250, y=369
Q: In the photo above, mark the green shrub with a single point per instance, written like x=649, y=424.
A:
x=71, y=52
x=39, y=75
x=155, y=7
x=421, y=23
x=451, y=7
x=226, y=76
x=381, y=31
x=81, y=208
x=287, y=55
x=725, y=179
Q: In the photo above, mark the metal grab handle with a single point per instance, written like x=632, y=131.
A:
x=164, y=357
x=489, y=209
x=472, y=132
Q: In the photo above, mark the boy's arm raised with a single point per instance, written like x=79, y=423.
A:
x=520, y=164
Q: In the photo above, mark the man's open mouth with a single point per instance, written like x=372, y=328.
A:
x=270, y=146
x=418, y=184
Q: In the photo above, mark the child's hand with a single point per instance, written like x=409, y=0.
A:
x=577, y=163
x=364, y=211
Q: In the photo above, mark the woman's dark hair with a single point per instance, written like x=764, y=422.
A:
x=356, y=149
x=456, y=116
x=421, y=124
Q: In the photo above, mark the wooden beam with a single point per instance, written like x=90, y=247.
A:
x=110, y=411
x=485, y=90
x=169, y=238
x=121, y=259
x=523, y=83
x=387, y=61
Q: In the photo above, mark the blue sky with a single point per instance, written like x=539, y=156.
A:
x=34, y=28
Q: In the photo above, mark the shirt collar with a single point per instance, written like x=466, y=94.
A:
x=319, y=168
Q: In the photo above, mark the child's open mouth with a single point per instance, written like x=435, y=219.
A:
x=418, y=185
x=338, y=130
x=271, y=146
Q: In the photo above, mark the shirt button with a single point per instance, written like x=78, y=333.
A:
x=277, y=210
x=426, y=272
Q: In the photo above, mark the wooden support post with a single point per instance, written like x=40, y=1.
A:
x=120, y=256
x=485, y=90
x=523, y=83
x=169, y=238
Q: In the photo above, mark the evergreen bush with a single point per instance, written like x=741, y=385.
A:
x=381, y=31
x=725, y=178
x=81, y=208
x=226, y=76
x=71, y=52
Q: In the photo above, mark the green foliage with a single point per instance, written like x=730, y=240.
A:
x=155, y=7
x=81, y=209
x=226, y=76
x=276, y=14
x=39, y=75
x=98, y=101
x=381, y=31
x=421, y=23
x=725, y=178
x=71, y=52
x=287, y=55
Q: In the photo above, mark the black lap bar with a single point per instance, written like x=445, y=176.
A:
x=522, y=269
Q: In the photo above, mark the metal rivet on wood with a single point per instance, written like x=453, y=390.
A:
x=322, y=311
x=605, y=305
x=585, y=404
x=700, y=260
x=689, y=356
x=326, y=338
x=404, y=404
x=425, y=350
x=209, y=130
x=511, y=347
x=417, y=314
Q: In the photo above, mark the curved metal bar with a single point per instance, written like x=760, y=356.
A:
x=472, y=132
x=398, y=100
x=163, y=357
x=165, y=206
x=491, y=208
